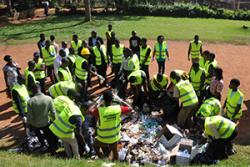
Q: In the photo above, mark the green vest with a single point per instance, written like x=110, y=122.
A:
x=61, y=88
x=39, y=74
x=28, y=73
x=61, y=126
x=209, y=107
x=224, y=126
x=232, y=102
x=143, y=53
x=109, y=124
x=79, y=72
x=117, y=54
x=202, y=62
x=65, y=73
x=134, y=63
x=163, y=83
x=160, y=54
x=195, y=78
x=76, y=46
x=188, y=96
x=72, y=58
x=207, y=66
x=138, y=75
x=24, y=97
x=49, y=56
x=98, y=57
x=195, y=49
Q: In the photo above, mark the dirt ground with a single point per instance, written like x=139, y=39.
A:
x=233, y=59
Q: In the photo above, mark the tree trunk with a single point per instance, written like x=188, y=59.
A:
x=87, y=10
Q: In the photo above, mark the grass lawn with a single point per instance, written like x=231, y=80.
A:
x=241, y=159
x=213, y=30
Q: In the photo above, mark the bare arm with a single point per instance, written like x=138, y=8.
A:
x=189, y=51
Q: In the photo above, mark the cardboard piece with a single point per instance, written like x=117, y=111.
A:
x=183, y=156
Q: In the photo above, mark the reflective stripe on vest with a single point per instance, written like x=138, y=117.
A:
x=188, y=96
x=117, y=54
x=39, y=74
x=224, y=126
x=143, y=52
x=207, y=66
x=72, y=58
x=65, y=108
x=195, y=49
x=160, y=54
x=28, y=73
x=232, y=102
x=49, y=56
x=24, y=97
x=209, y=107
x=109, y=124
x=138, y=75
x=79, y=72
x=195, y=78
x=98, y=57
x=76, y=46
x=65, y=73
x=134, y=63
x=163, y=82
x=61, y=88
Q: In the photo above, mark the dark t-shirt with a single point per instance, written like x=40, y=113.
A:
x=134, y=44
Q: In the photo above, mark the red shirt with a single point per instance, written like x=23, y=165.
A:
x=94, y=111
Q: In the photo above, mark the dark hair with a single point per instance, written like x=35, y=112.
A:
x=52, y=37
x=144, y=39
x=160, y=36
x=159, y=77
x=173, y=74
x=206, y=52
x=7, y=58
x=31, y=63
x=62, y=52
x=108, y=96
x=75, y=36
x=42, y=35
x=212, y=55
x=218, y=73
x=132, y=79
x=235, y=81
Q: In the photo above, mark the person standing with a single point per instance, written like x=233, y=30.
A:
x=49, y=55
x=203, y=58
x=94, y=38
x=65, y=47
x=217, y=84
x=234, y=101
x=108, y=40
x=110, y=43
x=41, y=43
x=76, y=44
x=72, y=59
x=161, y=53
x=210, y=65
x=58, y=61
x=134, y=43
x=145, y=57
x=30, y=79
x=11, y=72
x=64, y=73
x=39, y=71
x=40, y=108
x=53, y=42
x=108, y=125
x=195, y=49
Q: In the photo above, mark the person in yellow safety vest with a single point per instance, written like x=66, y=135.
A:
x=185, y=92
x=76, y=44
x=234, y=101
x=101, y=61
x=145, y=57
x=195, y=50
x=64, y=73
x=117, y=55
x=72, y=59
x=68, y=124
x=221, y=132
x=61, y=88
x=210, y=107
x=210, y=65
x=39, y=71
x=30, y=79
x=133, y=63
x=108, y=33
x=108, y=125
x=138, y=80
x=197, y=76
x=49, y=55
x=203, y=58
x=20, y=97
x=161, y=53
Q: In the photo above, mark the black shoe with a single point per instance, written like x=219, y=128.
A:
x=231, y=152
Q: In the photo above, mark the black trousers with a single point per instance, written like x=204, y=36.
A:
x=84, y=88
x=102, y=70
x=47, y=135
x=42, y=84
x=161, y=67
x=146, y=70
x=51, y=73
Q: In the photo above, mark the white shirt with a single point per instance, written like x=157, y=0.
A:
x=57, y=63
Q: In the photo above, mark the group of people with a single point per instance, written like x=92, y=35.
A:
x=66, y=112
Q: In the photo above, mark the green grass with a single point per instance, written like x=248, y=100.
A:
x=241, y=159
x=213, y=30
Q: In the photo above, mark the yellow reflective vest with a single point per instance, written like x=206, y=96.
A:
x=49, y=55
x=28, y=73
x=209, y=107
x=232, y=101
x=79, y=71
x=134, y=63
x=76, y=46
x=195, y=78
x=195, y=49
x=109, y=124
x=61, y=126
x=187, y=96
x=207, y=66
x=117, y=54
x=160, y=52
x=222, y=125
x=138, y=75
x=39, y=74
x=143, y=52
x=98, y=57
x=163, y=83
x=61, y=88
x=24, y=97
x=65, y=73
